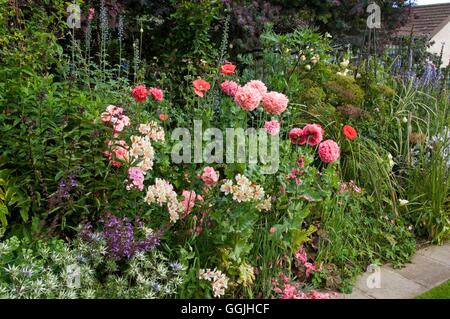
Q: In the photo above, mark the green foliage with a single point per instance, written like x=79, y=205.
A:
x=343, y=90
x=188, y=49
x=351, y=238
x=53, y=91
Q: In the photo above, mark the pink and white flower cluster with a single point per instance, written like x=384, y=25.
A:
x=135, y=178
x=142, y=151
x=189, y=199
x=115, y=117
x=246, y=191
x=153, y=131
x=219, y=281
x=162, y=192
x=118, y=152
x=209, y=176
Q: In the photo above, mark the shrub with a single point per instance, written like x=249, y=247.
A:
x=343, y=90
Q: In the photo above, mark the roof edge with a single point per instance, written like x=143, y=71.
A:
x=439, y=27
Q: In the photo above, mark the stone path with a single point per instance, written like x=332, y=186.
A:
x=430, y=267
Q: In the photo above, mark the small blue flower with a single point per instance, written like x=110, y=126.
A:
x=176, y=266
x=27, y=272
x=156, y=286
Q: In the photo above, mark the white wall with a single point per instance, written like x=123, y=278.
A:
x=442, y=36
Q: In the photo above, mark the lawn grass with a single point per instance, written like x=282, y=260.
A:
x=439, y=292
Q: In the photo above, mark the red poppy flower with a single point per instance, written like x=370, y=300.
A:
x=349, y=132
x=227, y=69
x=201, y=86
x=140, y=93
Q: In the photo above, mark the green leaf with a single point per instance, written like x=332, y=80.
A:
x=3, y=213
x=24, y=213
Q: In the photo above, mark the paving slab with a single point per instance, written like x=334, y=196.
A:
x=428, y=268
x=393, y=286
x=439, y=253
x=425, y=271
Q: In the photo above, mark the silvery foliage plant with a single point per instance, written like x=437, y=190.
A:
x=56, y=269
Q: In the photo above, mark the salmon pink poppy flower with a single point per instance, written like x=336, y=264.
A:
x=200, y=87
x=247, y=98
x=258, y=85
x=227, y=69
x=274, y=103
x=163, y=117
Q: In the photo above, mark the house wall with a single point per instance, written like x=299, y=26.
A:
x=442, y=36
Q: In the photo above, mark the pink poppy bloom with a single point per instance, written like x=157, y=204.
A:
x=312, y=134
x=258, y=85
x=163, y=117
x=247, y=98
x=272, y=127
x=274, y=103
x=295, y=135
x=328, y=151
x=229, y=87
x=157, y=94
